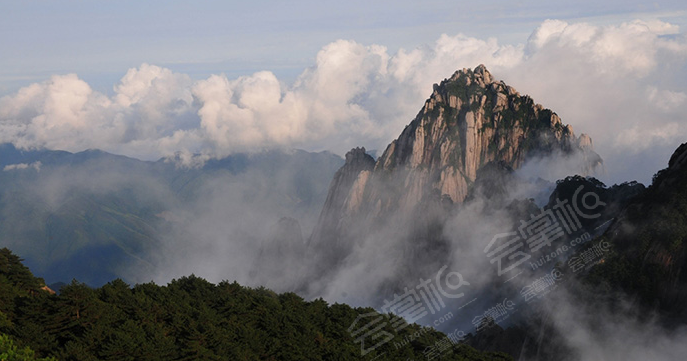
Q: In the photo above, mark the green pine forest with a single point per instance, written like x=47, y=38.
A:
x=188, y=319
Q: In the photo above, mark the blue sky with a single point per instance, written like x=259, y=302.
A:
x=100, y=40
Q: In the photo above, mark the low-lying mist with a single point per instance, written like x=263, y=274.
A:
x=94, y=216
x=248, y=218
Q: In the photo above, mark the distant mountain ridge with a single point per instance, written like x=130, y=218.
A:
x=91, y=214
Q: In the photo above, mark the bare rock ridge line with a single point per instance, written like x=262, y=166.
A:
x=469, y=121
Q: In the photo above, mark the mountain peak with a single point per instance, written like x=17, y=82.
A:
x=469, y=120
x=679, y=157
x=480, y=75
x=358, y=155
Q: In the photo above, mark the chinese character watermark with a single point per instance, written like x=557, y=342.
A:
x=508, y=251
x=406, y=308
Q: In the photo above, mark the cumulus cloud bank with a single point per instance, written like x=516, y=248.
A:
x=621, y=84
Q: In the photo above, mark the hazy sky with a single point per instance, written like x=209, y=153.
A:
x=147, y=79
x=99, y=40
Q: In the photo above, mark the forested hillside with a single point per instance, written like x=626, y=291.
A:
x=189, y=319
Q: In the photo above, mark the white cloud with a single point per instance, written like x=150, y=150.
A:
x=62, y=110
x=658, y=27
x=637, y=138
x=666, y=100
x=613, y=82
x=620, y=84
x=21, y=166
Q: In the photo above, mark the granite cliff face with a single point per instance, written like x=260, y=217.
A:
x=469, y=121
x=347, y=187
x=343, y=199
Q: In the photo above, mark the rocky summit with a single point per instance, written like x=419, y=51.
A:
x=469, y=121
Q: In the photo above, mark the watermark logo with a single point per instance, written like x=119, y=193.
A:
x=372, y=331
x=408, y=307
x=508, y=251
x=542, y=285
x=439, y=347
x=546, y=258
x=494, y=315
x=588, y=256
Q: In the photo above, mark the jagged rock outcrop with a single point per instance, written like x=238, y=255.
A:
x=469, y=120
x=679, y=158
x=344, y=197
